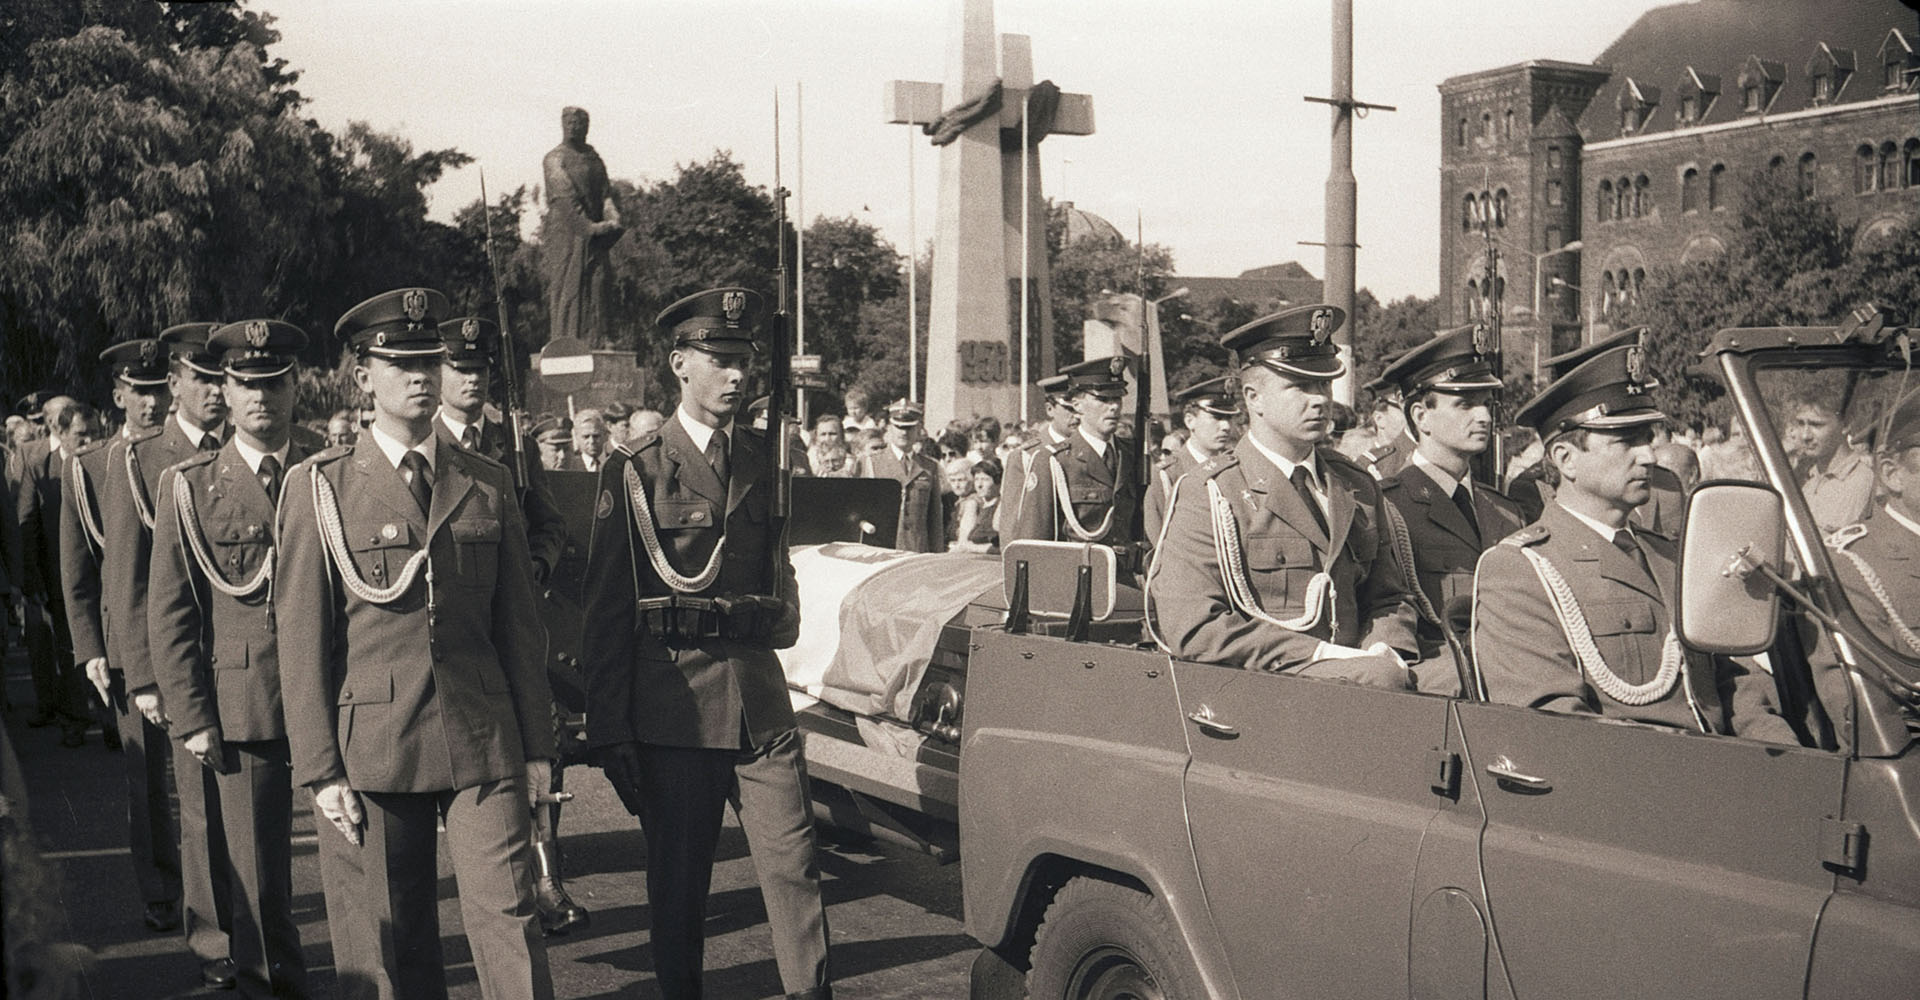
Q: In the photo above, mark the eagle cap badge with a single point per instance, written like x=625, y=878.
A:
x=1482, y=339
x=256, y=332
x=149, y=353
x=1636, y=363
x=733, y=305
x=1116, y=366
x=1320, y=325
x=414, y=302
x=470, y=331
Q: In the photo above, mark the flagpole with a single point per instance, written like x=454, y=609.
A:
x=913, y=278
x=1026, y=246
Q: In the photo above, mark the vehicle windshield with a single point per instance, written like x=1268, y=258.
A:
x=1856, y=462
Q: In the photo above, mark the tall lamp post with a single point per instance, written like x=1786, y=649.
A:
x=1539, y=289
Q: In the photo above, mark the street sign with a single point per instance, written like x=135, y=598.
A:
x=809, y=380
x=809, y=363
x=566, y=365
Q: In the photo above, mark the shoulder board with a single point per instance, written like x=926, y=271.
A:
x=1532, y=534
x=1335, y=458
x=1214, y=466
x=197, y=458
x=637, y=445
x=94, y=446
x=1058, y=449
x=1378, y=452
x=1392, y=484
x=474, y=458
x=1847, y=536
x=322, y=457
x=148, y=434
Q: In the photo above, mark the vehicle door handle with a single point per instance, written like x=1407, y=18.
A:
x=1204, y=718
x=1504, y=768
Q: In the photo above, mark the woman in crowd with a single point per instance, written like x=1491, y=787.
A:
x=975, y=528
x=828, y=455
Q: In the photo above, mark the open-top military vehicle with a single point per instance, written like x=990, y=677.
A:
x=1135, y=826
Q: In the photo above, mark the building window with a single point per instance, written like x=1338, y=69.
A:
x=1486, y=209
x=1473, y=299
x=1466, y=214
x=1889, y=166
x=1911, y=151
x=1460, y=134
x=1642, y=196
x=1895, y=70
x=1554, y=196
x=1822, y=88
x=1500, y=209
x=1606, y=294
x=1623, y=198
x=1639, y=280
x=1776, y=164
x=1809, y=168
x=1689, y=109
x=1553, y=157
x=1750, y=98
x=1717, y=186
x=1690, y=190
x=1486, y=125
x=1603, y=203
x=1866, y=172
x=1554, y=242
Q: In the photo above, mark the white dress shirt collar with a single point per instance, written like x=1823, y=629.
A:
x=698, y=432
x=253, y=455
x=457, y=425
x=1601, y=528
x=1286, y=467
x=1099, y=446
x=195, y=434
x=1441, y=477
x=1198, y=458
x=395, y=451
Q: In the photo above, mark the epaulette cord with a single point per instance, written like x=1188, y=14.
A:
x=147, y=435
x=1218, y=464
x=1847, y=536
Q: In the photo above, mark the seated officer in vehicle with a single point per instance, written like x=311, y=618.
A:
x=1571, y=614
x=1878, y=560
x=1207, y=410
x=1086, y=488
x=1275, y=555
x=1447, y=387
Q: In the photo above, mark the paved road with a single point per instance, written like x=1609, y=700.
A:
x=894, y=914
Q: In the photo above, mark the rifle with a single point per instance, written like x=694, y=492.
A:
x=1491, y=465
x=516, y=412
x=1142, y=425
x=779, y=375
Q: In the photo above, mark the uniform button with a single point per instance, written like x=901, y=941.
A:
x=213, y=658
x=253, y=530
x=346, y=695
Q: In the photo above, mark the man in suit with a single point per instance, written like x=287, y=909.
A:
x=590, y=442
x=1061, y=420
x=922, y=526
x=140, y=390
x=414, y=678
x=59, y=683
x=473, y=345
x=129, y=502
x=1087, y=488
x=215, y=655
x=1572, y=613
x=1207, y=410
x=689, y=592
x=1311, y=585
x=1448, y=387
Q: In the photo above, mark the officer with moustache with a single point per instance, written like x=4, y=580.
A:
x=1208, y=410
x=1061, y=420
x=688, y=595
x=210, y=623
x=129, y=504
x=412, y=663
x=1572, y=613
x=473, y=347
x=1448, y=389
x=923, y=526
x=1310, y=584
x=1087, y=488
x=140, y=390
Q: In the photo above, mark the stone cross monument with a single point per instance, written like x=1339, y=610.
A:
x=977, y=118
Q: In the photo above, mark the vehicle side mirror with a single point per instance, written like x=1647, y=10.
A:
x=1723, y=606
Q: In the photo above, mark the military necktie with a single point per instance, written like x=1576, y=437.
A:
x=470, y=438
x=270, y=477
x=208, y=442
x=419, y=479
x=1624, y=541
x=717, y=455
x=1464, y=500
x=1113, y=461
x=1299, y=480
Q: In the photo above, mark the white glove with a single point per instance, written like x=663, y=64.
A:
x=340, y=804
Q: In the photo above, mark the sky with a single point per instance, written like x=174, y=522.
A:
x=1203, y=140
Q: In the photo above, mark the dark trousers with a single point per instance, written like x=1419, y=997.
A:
x=256, y=809
x=59, y=685
x=683, y=793
x=383, y=901
x=206, y=870
x=151, y=835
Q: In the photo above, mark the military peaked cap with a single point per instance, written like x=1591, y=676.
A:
x=1607, y=392
x=471, y=341
x=1561, y=364
x=403, y=323
x=141, y=362
x=1218, y=396
x=188, y=344
x=553, y=430
x=1903, y=427
x=258, y=348
x=1055, y=386
x=718, y=321
x=1457, y=360
x=1102, y=377
x=905, y=413
x=1297, y=342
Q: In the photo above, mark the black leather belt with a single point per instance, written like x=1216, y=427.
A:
x=682, y=622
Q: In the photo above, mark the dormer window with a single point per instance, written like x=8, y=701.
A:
x=1697, y=92
x=1828, y=72
x=1897, y=61
x=1759, y=83
x=1637, y=104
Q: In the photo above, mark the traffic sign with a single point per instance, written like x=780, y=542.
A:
x=809, y=363
x=809, y=380
x=566, y=365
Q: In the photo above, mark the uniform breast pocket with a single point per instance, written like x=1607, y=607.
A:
x=1623, y=631
x=238, y=546
x=1280, y=567
x=476, y=547
x=381, y=550
x=685, y=515
x=1090, y=498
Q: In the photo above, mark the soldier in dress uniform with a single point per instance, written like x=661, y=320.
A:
x=1086, y=488
x=688, y=594
x=210, y=627
x=1878, y=560
x=1061, y=420
x=1448, y=388
x=414, y=676
x=129, y=503
x=1389, y=419
x=923, y=526
x=1208, y=410
x=140, y=390
x=1311, y=585
x=473, y=344
x=1572, y=613
x=555, y=436
x=1666, y=505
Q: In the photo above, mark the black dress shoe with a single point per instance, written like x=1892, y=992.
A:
x=163, y=916
x=219, y=974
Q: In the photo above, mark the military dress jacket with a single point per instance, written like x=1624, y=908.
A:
x=1093, y=490
x=1525, y=657
x=1384, y=460
x=1445, y=547
x=37, y=513
x=1013, y=479
x=720, y=693
x=128, y=502
x=82, y=535
x=440, y=688
x=1284, y=548
x=1167, y=471
x=546, y=526
x=215, y=655
x=923, y=526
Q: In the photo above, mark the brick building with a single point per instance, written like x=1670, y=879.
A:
x=1638, y=157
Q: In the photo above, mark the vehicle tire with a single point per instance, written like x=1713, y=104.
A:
x=1101, y=941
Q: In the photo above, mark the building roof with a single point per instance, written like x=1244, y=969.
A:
x=1275, y=283
x=1082, y=224
x=1718, y=37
